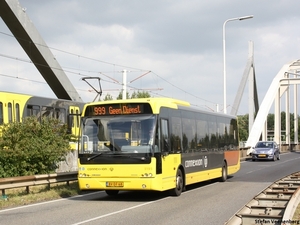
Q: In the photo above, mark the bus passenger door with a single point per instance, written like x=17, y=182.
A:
x=170, y=161
x=164, y=139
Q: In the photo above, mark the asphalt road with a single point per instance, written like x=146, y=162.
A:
x=205, y=203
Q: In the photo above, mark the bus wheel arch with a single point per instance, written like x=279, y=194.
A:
x=224, y=173
x=180, y=182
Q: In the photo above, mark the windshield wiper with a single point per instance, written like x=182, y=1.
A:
x=94, y=156
x=110, y=154
x=141, y=158
x=129, y=156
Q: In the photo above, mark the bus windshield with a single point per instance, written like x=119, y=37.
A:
x=122, y=134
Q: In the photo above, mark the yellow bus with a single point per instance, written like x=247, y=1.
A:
x=16, y=106
x=154, y=144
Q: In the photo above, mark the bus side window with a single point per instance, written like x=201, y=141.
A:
x=9, y=108
x=165, y=135
x=18, y=117
x=176, y=134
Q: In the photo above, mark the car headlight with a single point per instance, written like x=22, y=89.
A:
x=254, y=151
x=270, y=151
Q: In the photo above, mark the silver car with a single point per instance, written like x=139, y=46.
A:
x=266, y=150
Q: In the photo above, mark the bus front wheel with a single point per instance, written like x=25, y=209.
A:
x=179, y=184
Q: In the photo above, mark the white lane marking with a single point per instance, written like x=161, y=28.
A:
x=137, y=206
x=99, y=217
x=270, y=165
x=116, y=212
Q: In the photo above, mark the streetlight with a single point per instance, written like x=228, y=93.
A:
x=224, y=56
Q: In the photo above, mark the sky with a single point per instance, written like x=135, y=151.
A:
x=168, y=48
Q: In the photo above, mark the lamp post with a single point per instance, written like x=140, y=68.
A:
x=224, y=55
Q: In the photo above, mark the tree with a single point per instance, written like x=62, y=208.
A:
x=243, y=124
x=32, y=147
x=108, y=97
x=120, y=96
x=270, y=121
x=139, y=94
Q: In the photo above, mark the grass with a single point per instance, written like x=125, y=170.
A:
x=19, y=197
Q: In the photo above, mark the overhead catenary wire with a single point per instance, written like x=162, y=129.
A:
x=74, y=71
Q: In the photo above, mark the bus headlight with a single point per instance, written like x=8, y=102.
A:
x=147, y=175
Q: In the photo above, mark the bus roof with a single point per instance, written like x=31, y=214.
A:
x=156, y=103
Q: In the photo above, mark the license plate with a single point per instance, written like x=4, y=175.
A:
x=261, y=155
x=115, y=184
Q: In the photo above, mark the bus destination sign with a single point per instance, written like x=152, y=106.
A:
x=118, y=109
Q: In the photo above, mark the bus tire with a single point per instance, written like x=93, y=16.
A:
x=179, y=184
x=224, y=172
x=112, y=192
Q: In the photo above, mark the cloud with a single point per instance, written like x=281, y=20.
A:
x=180, y=42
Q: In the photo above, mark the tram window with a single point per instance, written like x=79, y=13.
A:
x=47, y=111
x=18, y=112
x=74, y=118
x=33, y=110
x=1, y=113
x=60, y=114
x=9, y=108
x=71, y=119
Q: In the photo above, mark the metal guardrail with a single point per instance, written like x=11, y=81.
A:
x=274, y=205
x=27, y=181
